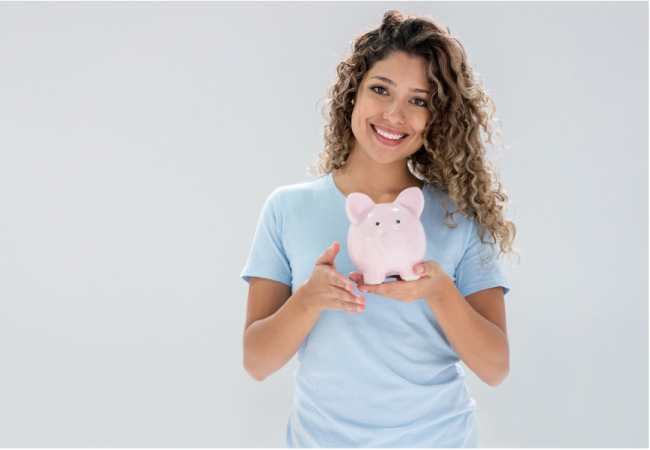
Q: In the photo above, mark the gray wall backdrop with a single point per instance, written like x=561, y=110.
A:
x=139, y=141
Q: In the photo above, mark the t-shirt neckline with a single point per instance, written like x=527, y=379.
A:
x=339, y=194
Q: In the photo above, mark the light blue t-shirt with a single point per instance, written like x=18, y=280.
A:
x=386, y=377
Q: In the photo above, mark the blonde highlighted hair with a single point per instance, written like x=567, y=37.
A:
x=452, y=158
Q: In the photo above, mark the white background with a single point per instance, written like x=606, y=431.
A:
x=139, y=141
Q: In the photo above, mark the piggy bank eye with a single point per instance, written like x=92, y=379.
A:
x=377, y=224
x=397, y=221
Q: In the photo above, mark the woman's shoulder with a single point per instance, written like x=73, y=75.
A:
x=302, y=186
x=442, y=206
x=300, y=191
x=437, y=197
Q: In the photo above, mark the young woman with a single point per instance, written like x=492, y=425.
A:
x=378, y=364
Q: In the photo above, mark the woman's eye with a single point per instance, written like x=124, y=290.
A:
x=420, y=102
x=382, y=91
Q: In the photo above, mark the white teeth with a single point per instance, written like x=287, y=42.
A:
x=388, y=135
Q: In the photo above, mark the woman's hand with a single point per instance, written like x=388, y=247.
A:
x=328, y=289
x=432, y=283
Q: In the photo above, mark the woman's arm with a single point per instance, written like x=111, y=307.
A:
x=277, y=322
x=476, y=329
x=276, y=325
x=475, y=326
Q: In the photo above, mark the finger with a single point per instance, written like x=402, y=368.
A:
x=428, y=268
x=420, y=269
x=348, y=307
x=328, y=256
x=357, y=278
x=383, y=289
x=340, y=281
x=350, y=297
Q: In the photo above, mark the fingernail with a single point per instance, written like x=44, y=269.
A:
x=360, y=299
x=359, y=308
x=419, y=270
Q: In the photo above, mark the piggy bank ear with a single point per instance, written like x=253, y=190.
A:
x=413, y=199
x=357, y=207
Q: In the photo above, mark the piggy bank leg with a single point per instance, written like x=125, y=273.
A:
x=409, y=275
x=374, y=278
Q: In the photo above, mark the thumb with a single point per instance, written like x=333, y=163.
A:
x=420, y=269
x=329, y=255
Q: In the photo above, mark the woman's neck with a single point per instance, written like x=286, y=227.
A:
x=381, y=182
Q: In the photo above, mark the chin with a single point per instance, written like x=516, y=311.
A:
x=387, y=159
x=387, y=155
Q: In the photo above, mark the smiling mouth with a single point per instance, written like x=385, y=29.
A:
x=391, y=136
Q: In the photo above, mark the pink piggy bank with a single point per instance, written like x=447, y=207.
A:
x=386, y=238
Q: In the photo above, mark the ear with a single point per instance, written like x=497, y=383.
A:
x=413, y=199
x=357, y=207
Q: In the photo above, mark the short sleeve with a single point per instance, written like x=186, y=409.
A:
x=267, y=258
x=479, y=267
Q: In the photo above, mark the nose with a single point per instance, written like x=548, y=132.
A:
x=395, y=114
x=392, y=240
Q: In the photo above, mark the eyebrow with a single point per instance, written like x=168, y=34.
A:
x=392, y=83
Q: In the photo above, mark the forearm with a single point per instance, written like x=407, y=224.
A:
x=271, y=342
x=479, y=343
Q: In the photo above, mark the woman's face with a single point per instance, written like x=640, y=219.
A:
x=390, y=111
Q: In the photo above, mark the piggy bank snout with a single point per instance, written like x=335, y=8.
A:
x=392, y=240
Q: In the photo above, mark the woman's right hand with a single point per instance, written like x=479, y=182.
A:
x=328, y=289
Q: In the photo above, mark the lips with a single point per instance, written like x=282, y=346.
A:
x=387, y=141
x=389, y=131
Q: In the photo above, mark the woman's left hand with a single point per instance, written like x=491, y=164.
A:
x=433, y=282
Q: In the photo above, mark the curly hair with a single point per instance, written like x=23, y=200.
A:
x=452, y=158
